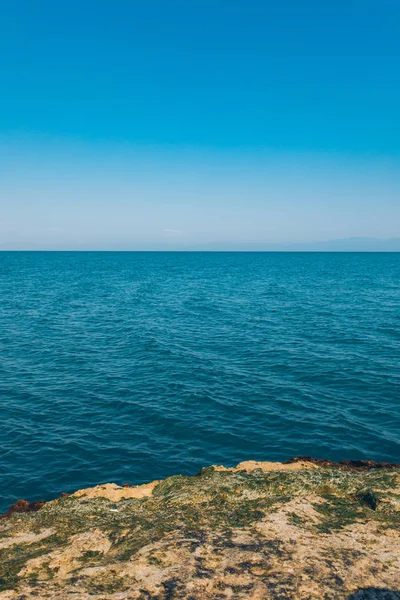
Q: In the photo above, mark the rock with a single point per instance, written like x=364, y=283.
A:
x=305, y=530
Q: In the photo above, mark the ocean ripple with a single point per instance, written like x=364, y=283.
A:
x=134, y=366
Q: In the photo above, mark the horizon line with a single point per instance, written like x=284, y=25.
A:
x=3, y=250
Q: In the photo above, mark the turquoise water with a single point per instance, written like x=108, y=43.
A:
x=134, y=366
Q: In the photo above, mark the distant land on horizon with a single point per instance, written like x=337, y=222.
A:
x=357, y=244
x=339, y=245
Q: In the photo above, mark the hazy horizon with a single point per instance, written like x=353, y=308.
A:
x=346, y=245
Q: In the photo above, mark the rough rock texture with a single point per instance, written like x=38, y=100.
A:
x=260, y=530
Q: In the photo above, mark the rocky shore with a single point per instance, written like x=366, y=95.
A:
x=305, y=529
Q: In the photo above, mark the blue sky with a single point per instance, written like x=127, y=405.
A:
x=188, y=124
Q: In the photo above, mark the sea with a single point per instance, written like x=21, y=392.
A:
x=133, y=366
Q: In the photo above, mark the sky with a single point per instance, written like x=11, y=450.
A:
x=212, y=124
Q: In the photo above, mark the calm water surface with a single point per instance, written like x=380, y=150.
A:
x=134, y=366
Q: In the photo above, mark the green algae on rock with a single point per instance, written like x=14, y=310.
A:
x=260, y=530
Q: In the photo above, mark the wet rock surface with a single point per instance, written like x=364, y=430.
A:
x=302, y=530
